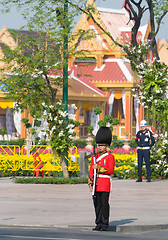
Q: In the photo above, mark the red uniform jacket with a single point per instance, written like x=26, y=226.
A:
x=106, y=163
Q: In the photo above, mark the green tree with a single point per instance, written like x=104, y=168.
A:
x=61, y=131
x=35, y=64
x=37, y=57
x=32, y=70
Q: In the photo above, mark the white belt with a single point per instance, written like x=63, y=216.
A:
x=143, y=148
x=105, y=176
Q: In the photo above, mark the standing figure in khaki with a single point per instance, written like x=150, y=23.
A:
x=145, y=140
x=104, y=166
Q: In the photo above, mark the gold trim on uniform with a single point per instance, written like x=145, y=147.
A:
x=90, y=181
x=101, y=169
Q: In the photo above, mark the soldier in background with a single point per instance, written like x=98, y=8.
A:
x=105, y=167
x=145, y=140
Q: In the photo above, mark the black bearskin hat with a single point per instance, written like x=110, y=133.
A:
x=104, y=136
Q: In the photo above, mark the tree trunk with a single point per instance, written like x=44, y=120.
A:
x=64, y=167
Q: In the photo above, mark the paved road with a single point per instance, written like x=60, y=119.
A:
x=134, y=206
x=44, y=233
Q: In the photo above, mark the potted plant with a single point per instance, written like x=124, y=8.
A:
x=3, y=131
x=90, y=129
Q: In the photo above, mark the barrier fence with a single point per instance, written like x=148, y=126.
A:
x=35, y=158
x=39, y=158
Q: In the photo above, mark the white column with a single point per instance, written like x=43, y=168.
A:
x=123, y=102
x=111, y=101
x=136, y=108
x=17, y=120
x=94, y=121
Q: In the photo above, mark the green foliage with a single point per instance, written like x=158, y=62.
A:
x=108, y=119
x=3, y=131
x=52, y=180
x=133, y=144
x=38, y=141
x=38, y=51
x=42, y=142
x=26, y=122
x=80, y=143
x=18, y=142
x=77, y=124
x=153, y=94
x=15, y=173
x=97, y=110
x=160, y=7
x=116, y=143
x=115, y=121
x=37, y=123
x=102, y=123
x=159, y=170
x=90, y=129
x=61, y=127
x=159, y=152
x=94, y=142
x=27, y=85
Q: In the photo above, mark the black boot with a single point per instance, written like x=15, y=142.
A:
x=139, y=179
x=97, y=228
x=148, y=179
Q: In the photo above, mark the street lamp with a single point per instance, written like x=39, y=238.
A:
x=65, y=63
x=65, y=56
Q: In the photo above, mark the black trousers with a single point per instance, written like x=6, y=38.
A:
x=144, y=154
x=101, y=205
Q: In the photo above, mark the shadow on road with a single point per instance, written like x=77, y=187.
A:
x=114, y=224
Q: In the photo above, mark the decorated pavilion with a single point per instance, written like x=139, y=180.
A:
x=110, y=70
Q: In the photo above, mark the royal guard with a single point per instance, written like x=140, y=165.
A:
x=100, y=183
x=145, y=140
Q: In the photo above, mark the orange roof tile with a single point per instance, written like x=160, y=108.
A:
x=79, y=87
x=113, y=71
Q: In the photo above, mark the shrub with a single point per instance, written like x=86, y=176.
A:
x=18, y=142
x=133, y=144
x=116, y=143
x=39, y=141
x=90, y=129
x=52, y=180
x=80, y=143
x=3, y=131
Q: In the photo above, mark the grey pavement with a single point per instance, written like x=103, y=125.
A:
x=133, y=206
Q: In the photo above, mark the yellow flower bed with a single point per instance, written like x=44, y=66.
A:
x=123, y=164
x=27, y=163
x=120, y=169
x=123, y=161
x=125, y=158
x=19, y=161
x=9, y=162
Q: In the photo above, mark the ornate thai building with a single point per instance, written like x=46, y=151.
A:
x=110, y=70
